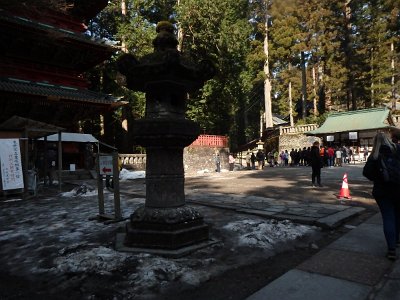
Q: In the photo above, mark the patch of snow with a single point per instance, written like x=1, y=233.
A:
x=128, y=175
x=205, y=171
x=12, y=200
x=266, y=234
x=100, y=260
x=84, y=190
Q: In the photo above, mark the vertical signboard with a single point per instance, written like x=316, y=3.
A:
x=11, y=167
x=106, y=164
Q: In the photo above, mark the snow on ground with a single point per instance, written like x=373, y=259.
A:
x=128, y=175
x=207, y=171
x=54, y=237
x=267, y=233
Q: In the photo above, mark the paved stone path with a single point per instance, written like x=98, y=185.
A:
x=319, y=214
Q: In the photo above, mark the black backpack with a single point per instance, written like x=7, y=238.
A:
x=389, y=167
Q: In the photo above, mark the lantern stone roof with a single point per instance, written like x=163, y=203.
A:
x=357, y=120
x=56, y=92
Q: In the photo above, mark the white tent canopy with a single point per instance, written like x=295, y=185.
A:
x=72, y=137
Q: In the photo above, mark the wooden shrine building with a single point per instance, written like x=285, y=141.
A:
x=43, y=57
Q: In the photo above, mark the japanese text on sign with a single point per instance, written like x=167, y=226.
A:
x=106, y=164
x=11, y=167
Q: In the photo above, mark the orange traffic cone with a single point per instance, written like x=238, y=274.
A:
x=344, y=191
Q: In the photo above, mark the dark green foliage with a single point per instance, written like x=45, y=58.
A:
x=348, y=55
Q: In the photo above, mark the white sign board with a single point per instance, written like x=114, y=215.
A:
x=106, y=164
x=353, y=135
x=11, y=167
x=330, y=138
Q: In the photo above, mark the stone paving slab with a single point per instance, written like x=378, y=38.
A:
x=325, y=215
x=376, y=219
x=296, y=219
x=300, y=285
x=329, y=206
x=262, y=213
x=334, y=220
x=352, y=266
x=366, y=238
x=395, y=274
x=390, y=290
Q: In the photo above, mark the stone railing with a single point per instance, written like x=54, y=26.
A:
x=133, y=161
x=296, y=129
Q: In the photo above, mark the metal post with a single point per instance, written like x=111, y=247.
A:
x=117, y=200
x=46, y=160
x=26, y=163
x=100, y=185
x=59, y=160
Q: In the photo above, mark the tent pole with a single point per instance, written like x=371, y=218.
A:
x=59, y=160
x=26, y=163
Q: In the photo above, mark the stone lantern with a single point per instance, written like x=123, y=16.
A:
x=260, y=145
x=165, y=224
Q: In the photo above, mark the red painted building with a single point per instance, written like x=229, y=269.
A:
x=44, y=54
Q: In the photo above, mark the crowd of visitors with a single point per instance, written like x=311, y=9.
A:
x=331, y=156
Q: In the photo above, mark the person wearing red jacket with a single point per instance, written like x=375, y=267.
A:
x=331, y=154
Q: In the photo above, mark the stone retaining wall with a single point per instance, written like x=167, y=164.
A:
x=295, y=141
x=202, y=158
x=195, y=159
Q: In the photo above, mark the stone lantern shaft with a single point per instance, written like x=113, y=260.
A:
x=165, y=221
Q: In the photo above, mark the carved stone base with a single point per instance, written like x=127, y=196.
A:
x=169, y=229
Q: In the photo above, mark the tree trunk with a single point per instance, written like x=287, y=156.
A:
x=290, y=99
x=314, y=92
x=123, y=12
x=372, y=79
x=349, y=56
x=303, y=87
x=267, y=81
x=393, y=77
x=180, y=32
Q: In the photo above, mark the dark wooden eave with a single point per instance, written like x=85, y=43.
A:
x=80, y=10
x=33, y=128
x=57, y=92
x=47, y=44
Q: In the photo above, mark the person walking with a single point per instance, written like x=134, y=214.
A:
x=386, y=194
x=286, y=158
x=365, y=153
x=260, y=159
x=51, y=164
x=322, y=154
x=292, y=158
x=338, y=155
x=282, y=159
x=231, y=161
x=331, y=155
x=217, y=163
x=253, y=161
x=316, y=164
x=248, y=160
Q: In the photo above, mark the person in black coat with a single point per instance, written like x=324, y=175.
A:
x=316, y=164
x=386, y=194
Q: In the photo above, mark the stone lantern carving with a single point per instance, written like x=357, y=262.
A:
x=165, y=224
